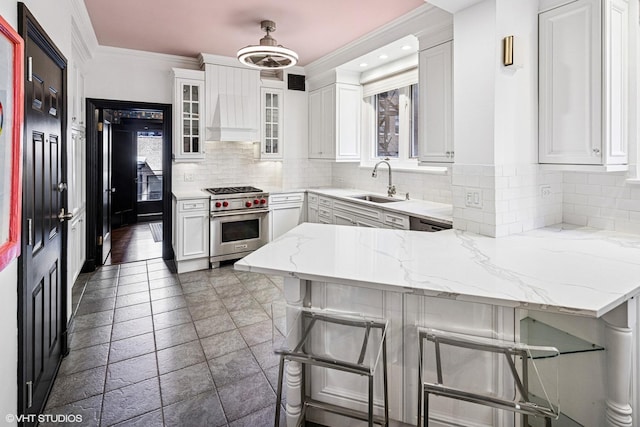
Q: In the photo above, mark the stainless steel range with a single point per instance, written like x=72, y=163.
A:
x=239, y=222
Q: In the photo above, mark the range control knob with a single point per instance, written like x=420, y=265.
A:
x=248, y=204
x=263, y=201
x=218, y=204
x=225, y=204
x=256, y=201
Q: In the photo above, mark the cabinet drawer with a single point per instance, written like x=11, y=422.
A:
x=363, y=211
x=286, y=198
x=193, y=205
x=312, y=199
x=324, y=213
x=396, y=220
x=325, y=201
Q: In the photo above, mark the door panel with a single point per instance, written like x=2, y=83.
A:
x=42, y=296
x=124, y=161
x=105, y=118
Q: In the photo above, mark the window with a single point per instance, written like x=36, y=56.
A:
x=396, y=124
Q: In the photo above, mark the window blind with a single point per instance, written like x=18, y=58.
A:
x=389, y=82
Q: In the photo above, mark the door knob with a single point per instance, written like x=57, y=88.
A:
x=62, y=216
x=61, y=187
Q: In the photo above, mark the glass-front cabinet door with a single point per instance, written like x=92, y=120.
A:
x=272, y=129
x=188, y=115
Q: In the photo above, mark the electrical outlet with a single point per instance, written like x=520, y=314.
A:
x=545, y=191
x=188, y=177
x=473, y=198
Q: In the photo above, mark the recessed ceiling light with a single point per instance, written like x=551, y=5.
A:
x=364, y=64
x=383, y=56
x=406, y=47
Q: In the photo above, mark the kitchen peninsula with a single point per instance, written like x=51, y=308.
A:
x=583, y=280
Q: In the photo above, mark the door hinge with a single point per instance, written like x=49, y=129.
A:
x=29, y=394
x=30, y=69
x=99, y=126
x=99, y=240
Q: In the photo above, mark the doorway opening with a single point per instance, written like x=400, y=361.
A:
x=132, y=179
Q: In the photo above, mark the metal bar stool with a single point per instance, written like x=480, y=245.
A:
x=308, y=343
x=521, y=402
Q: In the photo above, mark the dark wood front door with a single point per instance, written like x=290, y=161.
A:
x=42, y=293
x=105, y=118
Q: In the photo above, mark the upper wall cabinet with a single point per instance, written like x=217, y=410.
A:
x=232, y=103
x=436, y=104
x=188, y=124
x=272, y=131
x=583, y=83
x=334, y=122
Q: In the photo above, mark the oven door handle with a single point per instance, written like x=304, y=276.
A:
x=223, y=214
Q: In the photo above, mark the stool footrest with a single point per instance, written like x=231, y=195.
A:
x=341, y=410
x=527, y=408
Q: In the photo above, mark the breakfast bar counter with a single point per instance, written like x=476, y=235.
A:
x=579, y=279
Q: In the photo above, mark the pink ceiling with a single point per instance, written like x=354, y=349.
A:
x=221, y=27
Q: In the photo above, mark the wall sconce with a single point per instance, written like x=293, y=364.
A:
x=507, y=51
x=512, y=59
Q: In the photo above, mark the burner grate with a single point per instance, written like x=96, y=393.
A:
x=233, y=190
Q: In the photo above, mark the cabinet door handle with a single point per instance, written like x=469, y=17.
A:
x=596, y=151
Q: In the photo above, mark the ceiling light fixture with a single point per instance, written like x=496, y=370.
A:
x=406, y=47
x=269, y=54
x=383, y=56
x=364, y=64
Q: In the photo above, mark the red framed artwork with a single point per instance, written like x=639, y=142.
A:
x=11, y=119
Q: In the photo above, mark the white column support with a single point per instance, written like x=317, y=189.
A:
x=294, y=294
x=618, y=345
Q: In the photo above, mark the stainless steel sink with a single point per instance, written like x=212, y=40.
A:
x=375, y=199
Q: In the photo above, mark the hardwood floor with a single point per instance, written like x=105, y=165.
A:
x=133, y=243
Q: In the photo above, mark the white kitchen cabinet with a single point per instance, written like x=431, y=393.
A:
x=312, y=207
x=191, y=234
x=76, y=242
x=396, y=221
x=272, y=130
x=285, y=212
x=334, y=122
x=583, y=83
x=188, y=123
x=435, y=132
x=345, y=213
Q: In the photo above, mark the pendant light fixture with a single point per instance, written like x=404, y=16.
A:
x=268, y=54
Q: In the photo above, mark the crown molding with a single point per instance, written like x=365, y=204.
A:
x=453, y=6
x=174, y=60
x=414, y=22
x=83, y=37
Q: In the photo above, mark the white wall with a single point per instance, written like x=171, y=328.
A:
x=131, y=75
x=474, y=75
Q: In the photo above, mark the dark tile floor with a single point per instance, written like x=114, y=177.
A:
x=152, y=348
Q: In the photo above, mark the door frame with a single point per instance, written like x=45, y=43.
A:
x=28, y=25
x=94, y=174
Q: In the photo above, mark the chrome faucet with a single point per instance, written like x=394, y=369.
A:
x=391, y=189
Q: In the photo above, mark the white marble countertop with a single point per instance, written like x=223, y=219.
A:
x=565, y=269
x=413, y=207
x=190, y=194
